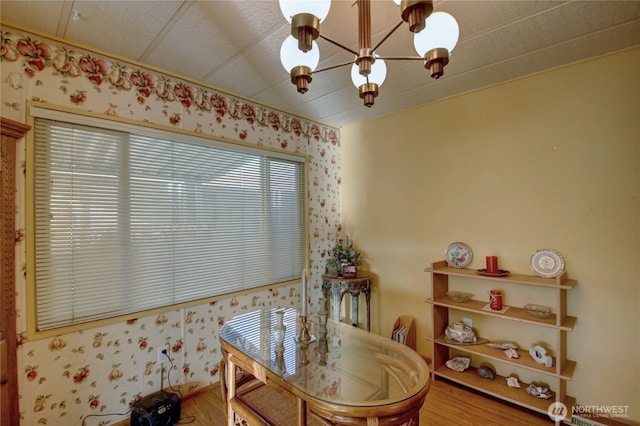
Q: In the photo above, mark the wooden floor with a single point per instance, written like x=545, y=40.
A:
x=446, y=404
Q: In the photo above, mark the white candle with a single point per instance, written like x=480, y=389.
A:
x=304, y=293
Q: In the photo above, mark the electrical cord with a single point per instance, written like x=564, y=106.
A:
x=104, y=415
x=182, y=420
x=169, y=374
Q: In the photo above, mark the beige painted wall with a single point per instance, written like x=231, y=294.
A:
x=548, y=161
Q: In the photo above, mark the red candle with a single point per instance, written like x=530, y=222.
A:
x=492, y=264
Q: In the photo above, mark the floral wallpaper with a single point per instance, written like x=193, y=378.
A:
x=79, y=376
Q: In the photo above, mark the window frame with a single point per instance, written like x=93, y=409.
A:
x=40, y=110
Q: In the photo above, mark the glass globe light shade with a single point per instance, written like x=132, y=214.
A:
x=377, y=75
x=318, y=8
x=291, y=56
x=441, y=30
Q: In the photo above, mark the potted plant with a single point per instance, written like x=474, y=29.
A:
x=343, y=258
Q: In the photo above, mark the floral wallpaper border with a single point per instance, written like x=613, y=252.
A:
x=74, y=378
x=37, y=56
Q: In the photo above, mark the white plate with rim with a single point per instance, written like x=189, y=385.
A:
x=546, y=263
x=458, y=255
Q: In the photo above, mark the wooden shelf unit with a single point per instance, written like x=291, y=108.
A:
x=555, y=376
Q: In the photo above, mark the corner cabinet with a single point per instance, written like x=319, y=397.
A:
x=559, y=322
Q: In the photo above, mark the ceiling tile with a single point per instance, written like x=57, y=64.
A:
x=126, y=28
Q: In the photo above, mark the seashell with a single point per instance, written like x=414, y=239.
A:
x=539, y=355
x=458, y=364
x=541, y=392
x=511, y=353
x=486, y=373
x=513, y=382
x=502, y=345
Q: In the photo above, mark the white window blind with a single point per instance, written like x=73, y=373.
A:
x=129, y=221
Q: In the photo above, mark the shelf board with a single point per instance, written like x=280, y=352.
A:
x=512, y=314
x=498, y=388
x=561, y=282
x=525, y=361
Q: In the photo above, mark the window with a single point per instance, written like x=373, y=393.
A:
x=129, y=219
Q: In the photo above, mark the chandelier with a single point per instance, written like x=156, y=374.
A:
x=435, y=36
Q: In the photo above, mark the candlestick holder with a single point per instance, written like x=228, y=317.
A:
x=304, y=354
x=304, y=337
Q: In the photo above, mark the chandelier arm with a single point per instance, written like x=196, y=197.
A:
x=387, y=36
x=338, y=44
x=401, y=58
x=333, y=67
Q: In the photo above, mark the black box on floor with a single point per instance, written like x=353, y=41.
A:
x=157, y=409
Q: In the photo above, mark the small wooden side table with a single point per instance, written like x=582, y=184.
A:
x=334, y=289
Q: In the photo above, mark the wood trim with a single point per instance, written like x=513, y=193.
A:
x=11, y=131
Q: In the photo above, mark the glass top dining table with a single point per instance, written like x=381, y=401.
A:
x=341, y=371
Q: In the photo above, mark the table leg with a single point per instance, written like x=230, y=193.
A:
x=231, y=388
x=354, y=309
x=367, y=295
x=301, y=411
x=336, y=301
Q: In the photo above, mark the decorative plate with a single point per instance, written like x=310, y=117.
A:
x=458, y=255
x=500, y=273
x=547, y=263
x=479, y=341
x=458, y=296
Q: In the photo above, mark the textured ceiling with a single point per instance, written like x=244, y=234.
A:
x=234, y=45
